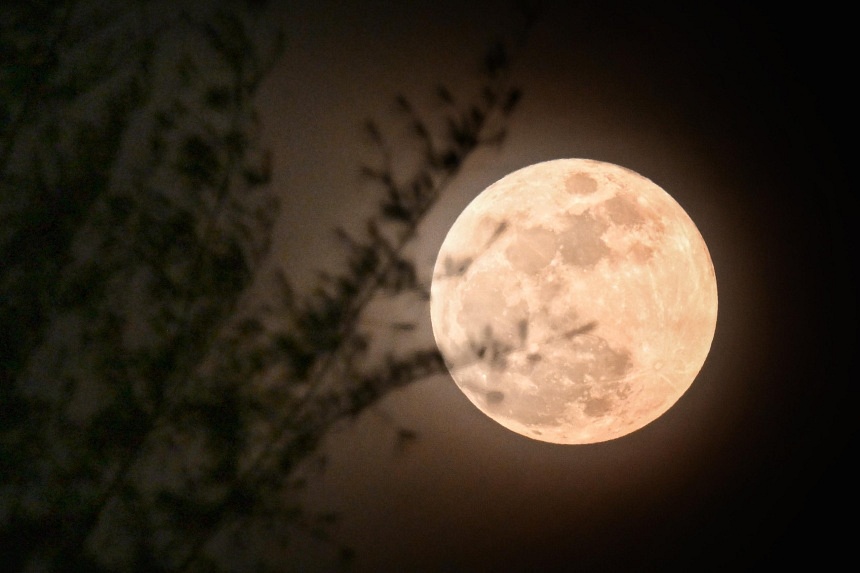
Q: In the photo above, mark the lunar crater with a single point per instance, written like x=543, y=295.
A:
x=532, y=249
x=580, y=184
x=621, y=211
x=582, y=241
x=597, y=407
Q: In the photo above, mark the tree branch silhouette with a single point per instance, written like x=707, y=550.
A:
x=377, y=264
x=149, y=404
x=237, y=101
x=133, y=225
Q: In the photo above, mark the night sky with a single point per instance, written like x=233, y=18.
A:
x=729, y=110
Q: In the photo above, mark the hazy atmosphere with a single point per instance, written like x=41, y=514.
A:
x=220, y=225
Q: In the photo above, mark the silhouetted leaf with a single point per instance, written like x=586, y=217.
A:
x=259, y=176
x=496, y=59
x=219, y=98
x=405, y=437
x=498, y=232
x=511, y=100
x=189, y=509
x=227, y=35
x=403, y=103
x=451, y=160
x=329, y=517
x=117, y=427
x=585, y=329
x=420, y=129
x=198, y=161
x=496, y=138
x=396, y=211
x=444, y=95
x=370, y=172
x=235, y=142
x=400, y=275
x=477, y=117
x=373, y=131
x=456, y=268
x=347, y=555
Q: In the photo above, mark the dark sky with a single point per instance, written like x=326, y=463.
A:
x=735, y=112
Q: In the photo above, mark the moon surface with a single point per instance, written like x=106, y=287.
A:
x=574, y=301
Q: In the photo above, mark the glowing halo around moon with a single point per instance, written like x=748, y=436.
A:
x=574, y=301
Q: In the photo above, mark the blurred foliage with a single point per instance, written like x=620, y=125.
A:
x=156, y=413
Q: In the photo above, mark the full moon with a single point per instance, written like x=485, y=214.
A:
x=574, y=301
